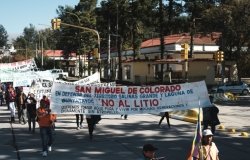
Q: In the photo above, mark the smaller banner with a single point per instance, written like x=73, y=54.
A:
x=18, y=66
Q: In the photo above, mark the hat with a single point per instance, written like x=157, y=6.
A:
x=207, y=132
x=149, y=147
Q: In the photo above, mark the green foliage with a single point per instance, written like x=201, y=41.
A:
x=3, y=36
x=137, y=20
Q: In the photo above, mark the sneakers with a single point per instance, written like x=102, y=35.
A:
x=81, y=127
x=49, y=148
x=78, y=128
x=45, y=154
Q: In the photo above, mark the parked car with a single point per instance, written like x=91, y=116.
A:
x=59, y=73
x=36, y=69
x=233, y=87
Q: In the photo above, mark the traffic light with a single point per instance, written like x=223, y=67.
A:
x=184, y=51
x=219, y=56
x=216, y=56
x=56, y=23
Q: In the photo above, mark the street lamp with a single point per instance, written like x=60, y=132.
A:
x=192, y=32
x=92, y=31
x=41, y=48
x=79, y=67
x=116, y=35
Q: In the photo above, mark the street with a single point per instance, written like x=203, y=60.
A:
x=118, y=139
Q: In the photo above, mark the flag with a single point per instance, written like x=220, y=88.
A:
x=197, y=137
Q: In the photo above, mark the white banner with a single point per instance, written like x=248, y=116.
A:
x=94, y=78
x=84, y=99
x=18, y=66
x=42, y=87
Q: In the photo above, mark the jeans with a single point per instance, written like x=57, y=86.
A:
x=78, y=124
x=12, y=109
x=1, y=99
x=32, y=119
x=46, y=137
x=23, y=115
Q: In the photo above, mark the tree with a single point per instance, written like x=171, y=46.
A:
x=3, y=36
x=232, y=20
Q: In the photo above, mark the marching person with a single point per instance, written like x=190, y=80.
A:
x=31, y=111
x=92, y=120
x=125, y=116
x=1, y=93
x=149, y=153
x=21, y=107
x=210, y=116
x=45, y=121
x=207, y=150
x=163, y=115
x=79, y=120
x=47, y=106
x=11, y=98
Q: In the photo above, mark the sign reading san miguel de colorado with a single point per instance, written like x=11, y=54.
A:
x=84, y=99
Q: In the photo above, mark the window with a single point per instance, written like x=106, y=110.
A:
x=127, y=69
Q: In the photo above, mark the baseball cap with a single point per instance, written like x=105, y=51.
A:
x=149, y=147
x=207, y=132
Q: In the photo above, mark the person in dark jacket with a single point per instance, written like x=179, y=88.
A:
x=164, y=115
x=210, y=116
x=92, y=120
x=79, y=120
x=1, y=93
x=31, y=111
x=21, y=107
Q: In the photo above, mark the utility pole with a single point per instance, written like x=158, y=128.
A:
x=79, y=39
x=161, y=37
x=42, y=54
x=119, y=45
x=192, y=38
x=109, y=49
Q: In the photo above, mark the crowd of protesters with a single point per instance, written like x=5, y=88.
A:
x=33, y=111
x=27, y=111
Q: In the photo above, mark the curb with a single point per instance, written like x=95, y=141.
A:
x=190, y=115
x=233, y=131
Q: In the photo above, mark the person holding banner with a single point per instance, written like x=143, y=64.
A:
x=79, y=120
x=163, y=115
x=125, y=116
x=92, y=120
x=207, y=150
x=210, y=116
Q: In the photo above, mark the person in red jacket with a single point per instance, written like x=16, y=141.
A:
x=45, y=121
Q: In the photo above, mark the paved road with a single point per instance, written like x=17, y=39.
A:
x=119, y=139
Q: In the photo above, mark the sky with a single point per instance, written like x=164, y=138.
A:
x=15, y=15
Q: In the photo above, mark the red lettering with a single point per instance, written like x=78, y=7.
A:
x=132, y=90
x=83, y=89
x=108, y=102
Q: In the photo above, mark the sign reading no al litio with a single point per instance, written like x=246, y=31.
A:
x=87, y=99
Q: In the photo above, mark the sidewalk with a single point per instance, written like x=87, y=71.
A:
x=114, y=139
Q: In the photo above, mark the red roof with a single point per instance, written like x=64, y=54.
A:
x=183, y=38
x=56, y=53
